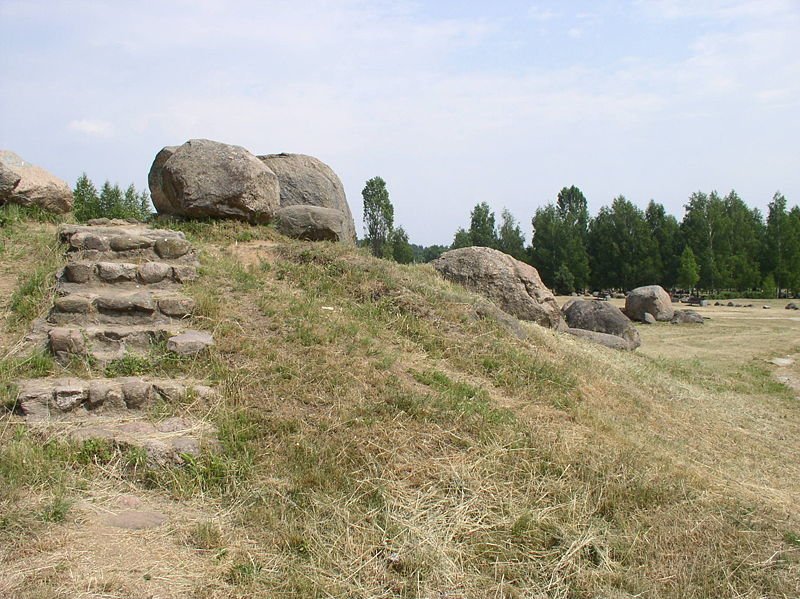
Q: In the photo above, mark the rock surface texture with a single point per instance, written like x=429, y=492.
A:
x=209, y=179
x=611, y=341
x=686, y=317
x=601, y=317
x=307, y=181
x=312, y=223
x=513, y=285
x=118, y=294
x=651, y=299
x=28, y=185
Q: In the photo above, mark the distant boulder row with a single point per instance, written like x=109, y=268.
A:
x=26, y=184
x=209, y=179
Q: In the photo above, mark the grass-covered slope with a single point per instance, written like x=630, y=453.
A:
x=381, y=440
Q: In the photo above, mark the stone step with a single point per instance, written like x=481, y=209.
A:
x=168, y=442
x=74, y=398
x=128, y=275
x=102, y=304
x=105, y=343
x=119, y=240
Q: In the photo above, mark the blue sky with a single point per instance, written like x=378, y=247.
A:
x=452, y=103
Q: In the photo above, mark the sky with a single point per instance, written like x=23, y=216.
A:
x=451, y=102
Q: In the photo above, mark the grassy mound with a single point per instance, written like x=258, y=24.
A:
x=382, y=440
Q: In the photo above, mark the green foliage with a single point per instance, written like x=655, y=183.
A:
x=378, y=215
x=111, y=202
x=402, y=253
x=564, y=281
x=560, y=233
x=509, y=236
x=621, y=247
x=481, y=226
x=688, y=271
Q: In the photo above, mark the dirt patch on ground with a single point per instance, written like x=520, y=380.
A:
x=253, y=253
x=113, y=543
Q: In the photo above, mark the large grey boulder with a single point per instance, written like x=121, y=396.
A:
x=28, y=185
x=513, y=285
x=307, y=181
x=312, y=223
x=610, y=341
x=652, y=299
x=204, y=178
x=601, y=317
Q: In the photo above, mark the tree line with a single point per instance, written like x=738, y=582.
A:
x=720, y=244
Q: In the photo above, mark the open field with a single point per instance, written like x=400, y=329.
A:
x=380, y=440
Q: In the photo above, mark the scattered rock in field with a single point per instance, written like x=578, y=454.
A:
x=600, y=317
x=204, y=178
x=765, y=307
x=652, y=299
x=513, y=285
x=307, y=181
x=686, y=317
x=190, y=342
x=792, y=306
x=28, y=185
x=787, y=361
x=610, y=341
x=312, y=223
x=730, y=304
x=717, y=304
x=648, y=318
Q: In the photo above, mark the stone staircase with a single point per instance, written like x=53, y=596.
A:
x=117, y=296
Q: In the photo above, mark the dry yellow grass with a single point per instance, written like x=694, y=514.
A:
x=382, y=441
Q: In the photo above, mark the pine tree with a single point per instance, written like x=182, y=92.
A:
x=86, y=201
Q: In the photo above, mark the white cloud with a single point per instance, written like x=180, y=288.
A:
x=92, y=127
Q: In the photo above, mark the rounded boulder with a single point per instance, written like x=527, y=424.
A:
x=651, y=299
x=513, y=285
x=312, y=223
x=601, y=317
x=29, y=185
x=209, y=179
x=307, y=181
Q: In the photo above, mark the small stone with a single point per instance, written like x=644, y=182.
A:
x=98, y=392
x=77, y=273
x=123, y=243
x=170, y=248
x=137, y=393
x=648, y=318
x=792, y=306
x=68, y=341
x=111, y=272
x=72, y=304
x=154, y=272
x=190, y=342
x=176, y=307
x=766, y=307
x=184, y=274
x=137, y=302
x=68, y=398
x=783, y=362
x=89, y=241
